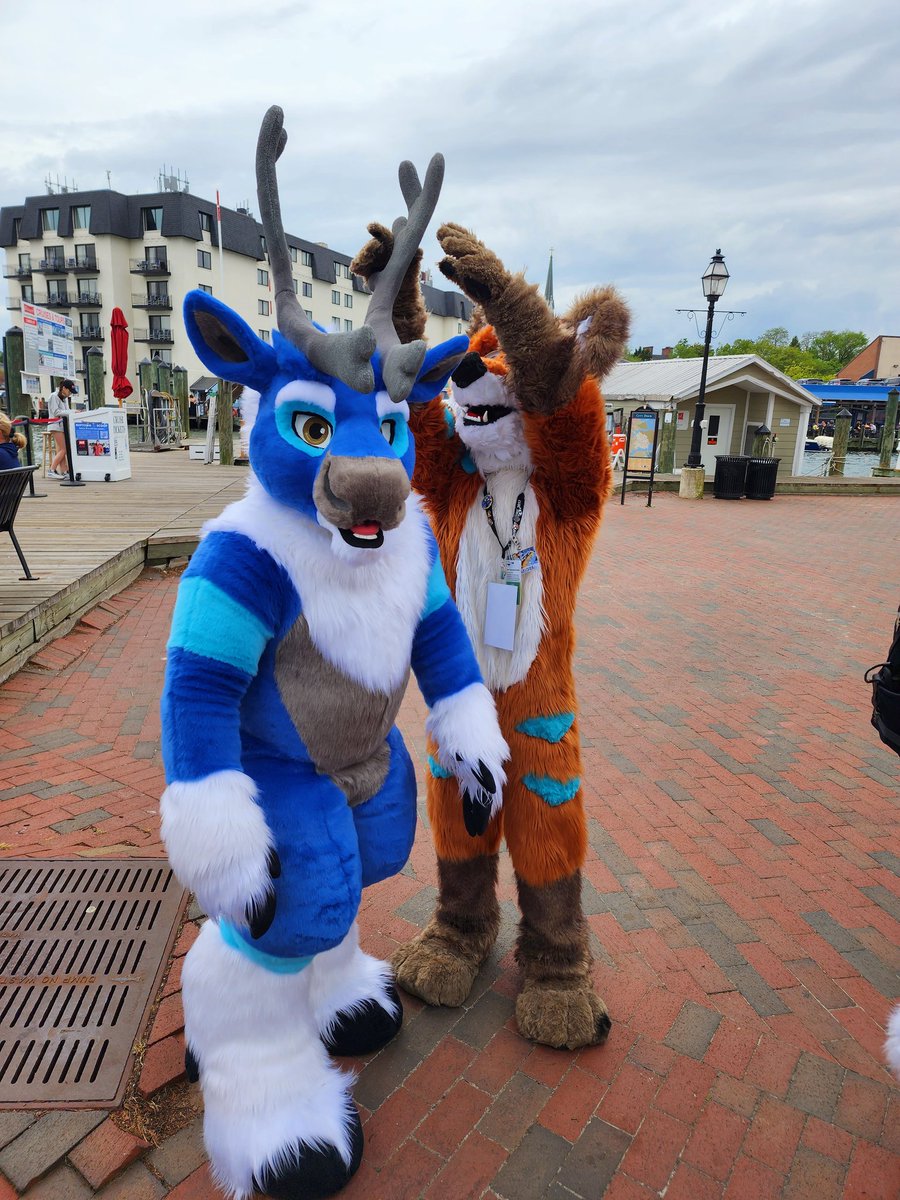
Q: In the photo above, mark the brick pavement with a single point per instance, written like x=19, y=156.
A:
x=741, y=885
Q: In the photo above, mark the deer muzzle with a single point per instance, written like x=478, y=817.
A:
x=363, y=497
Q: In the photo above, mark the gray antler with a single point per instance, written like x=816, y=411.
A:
x=346, y=356
x=401, y=363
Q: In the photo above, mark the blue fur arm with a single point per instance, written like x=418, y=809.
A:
x=226, y=613
x=442, y=655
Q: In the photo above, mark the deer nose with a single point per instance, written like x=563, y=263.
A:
x=350, y=491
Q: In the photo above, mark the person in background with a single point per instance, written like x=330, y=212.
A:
x=58, y=406
x=11, y=442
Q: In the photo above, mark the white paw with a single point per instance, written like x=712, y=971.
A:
x=468, y=738
x=218, y=842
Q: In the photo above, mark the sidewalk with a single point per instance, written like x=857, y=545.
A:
x=741, y=885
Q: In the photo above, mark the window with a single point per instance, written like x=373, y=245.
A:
x=87, y=291
x=88, y=322
x=205, y=223
x=49, y=220
x=346, y=272
x=81, y=216
x=85, y=256
x=348, y=325
x=158, y=292
x=160, y=329
x=262, y=243
x=204, y=259
x=262, y=277
x=204, y=287
x=54, y=254
x=308, y=312
x=459, y=326
x=17, y=225
x=307, y=289
x=28, y=292
x=305, y=258
x=24, y=262
x=56, y=290
x=335, y=322
x=337, y=269
x=293, y=250
x=264, y=335
x=348, y=300
x=151, y=220
x=164, y=356
x=294, y=284
x=265, y=308
x=335, y=296
x=157, y=256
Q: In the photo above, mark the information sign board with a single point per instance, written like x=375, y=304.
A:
x=49, y=341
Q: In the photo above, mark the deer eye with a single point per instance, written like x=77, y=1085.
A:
x=389, y=431
x=312, y=429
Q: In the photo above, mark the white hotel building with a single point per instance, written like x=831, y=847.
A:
x=86, y=253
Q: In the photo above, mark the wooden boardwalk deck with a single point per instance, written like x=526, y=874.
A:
x=86, y=543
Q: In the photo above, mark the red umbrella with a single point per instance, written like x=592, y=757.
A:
x=121, y=388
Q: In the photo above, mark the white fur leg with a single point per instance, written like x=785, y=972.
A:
x=218, y=842
x=892, y=1044
x=267, y=1082
x=466, y=729
x=343, y=979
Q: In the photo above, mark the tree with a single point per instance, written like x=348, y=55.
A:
x=837, y=347
x=686, y=349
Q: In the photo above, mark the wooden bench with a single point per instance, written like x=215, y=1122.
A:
x=12, y=487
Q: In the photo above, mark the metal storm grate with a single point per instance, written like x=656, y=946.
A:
x=83, y=945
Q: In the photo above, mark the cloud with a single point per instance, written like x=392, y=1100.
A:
x=633, y=139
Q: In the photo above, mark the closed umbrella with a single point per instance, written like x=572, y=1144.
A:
x=121, y=388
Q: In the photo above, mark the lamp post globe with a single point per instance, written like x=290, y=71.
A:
x=715, y=279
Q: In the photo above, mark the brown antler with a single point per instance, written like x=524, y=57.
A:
x=401, y=363
x=346, y=356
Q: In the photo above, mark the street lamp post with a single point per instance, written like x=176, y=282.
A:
x=715, y=278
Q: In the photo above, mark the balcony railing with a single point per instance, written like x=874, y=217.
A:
x=14, y=302
x=83, y=264
x=159, y=302
x=61, y=300
x=17, y=272
x=149, y=266
x=53, y=266
x=92, y=333
x=159, y=337
x=87, y=300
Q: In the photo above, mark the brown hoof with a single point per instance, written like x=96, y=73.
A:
x=430, y=969
x=563, y=1017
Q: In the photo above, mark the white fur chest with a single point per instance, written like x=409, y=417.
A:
x=480, y=562
x=362, y=616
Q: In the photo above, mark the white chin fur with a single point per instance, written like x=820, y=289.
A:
x=218, y=842
x=267, y=1081
x=492, y=447
x=892, y=1044
x=466, y=724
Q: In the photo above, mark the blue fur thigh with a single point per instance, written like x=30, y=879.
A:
x=386, y=824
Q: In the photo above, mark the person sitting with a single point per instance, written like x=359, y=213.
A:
x=11, y=442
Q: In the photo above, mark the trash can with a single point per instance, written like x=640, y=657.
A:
x=761, y=473
x=731, y=472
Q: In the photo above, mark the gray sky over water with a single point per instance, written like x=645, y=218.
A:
x=633, y=137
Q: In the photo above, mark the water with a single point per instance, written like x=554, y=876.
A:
x=859, y=462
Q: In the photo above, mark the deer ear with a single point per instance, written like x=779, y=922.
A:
x=225, y=344
x=439, y=364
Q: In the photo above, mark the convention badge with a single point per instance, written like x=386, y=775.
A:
x=528, y=558
x=500, y=616
x=512, y=574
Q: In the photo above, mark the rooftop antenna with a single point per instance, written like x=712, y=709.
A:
x=171, y=181
x=109, y=179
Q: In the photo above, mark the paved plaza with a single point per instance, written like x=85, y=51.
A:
x=741, y=885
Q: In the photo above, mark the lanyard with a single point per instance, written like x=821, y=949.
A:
x=487, y=503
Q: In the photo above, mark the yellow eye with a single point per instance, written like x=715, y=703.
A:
x=388, y=429
x=313, y=429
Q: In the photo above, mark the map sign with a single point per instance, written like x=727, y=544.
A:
x=49, y=341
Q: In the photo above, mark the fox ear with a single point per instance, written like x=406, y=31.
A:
x=225, y=344
x=438, y=365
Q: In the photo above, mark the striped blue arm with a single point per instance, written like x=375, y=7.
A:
x=442, y=656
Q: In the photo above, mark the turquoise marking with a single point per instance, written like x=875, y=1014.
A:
x=554, y=791
x=208, y=621
x=449, y=422
x=269, y=962
x=467, y=465
x=400, y=444
x=438, y=593
x=284, y=423
x=436, y=769
x=550, y=729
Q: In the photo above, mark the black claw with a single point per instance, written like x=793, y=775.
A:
x=604, y=1024
x=484, y=777
x=274, y=864
x=260, y=916
x=312, y=1171
x=191, y=1066
x=476, y=814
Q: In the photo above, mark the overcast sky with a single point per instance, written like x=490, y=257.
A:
x=632, y=136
